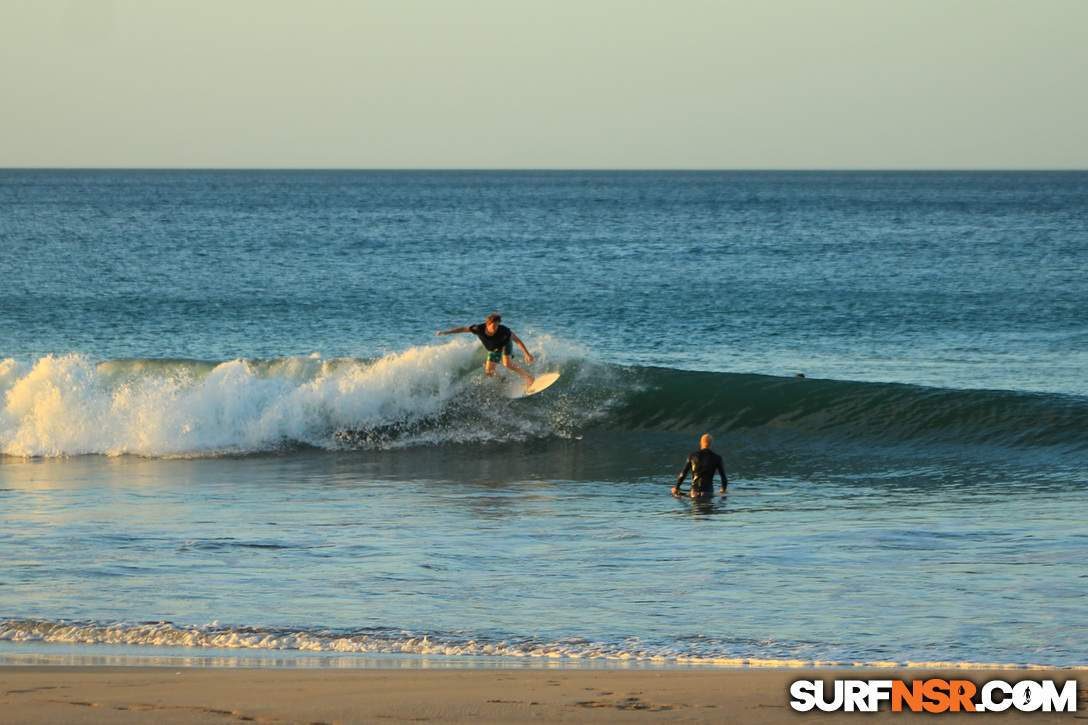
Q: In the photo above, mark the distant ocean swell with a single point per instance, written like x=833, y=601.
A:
x=696, y=650
x=432, y=395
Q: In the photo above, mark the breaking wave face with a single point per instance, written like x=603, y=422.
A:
x=62, y=406
x=433, y=395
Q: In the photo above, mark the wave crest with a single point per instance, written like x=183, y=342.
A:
x=434, y=395
x=693, y=402
x=68, y=405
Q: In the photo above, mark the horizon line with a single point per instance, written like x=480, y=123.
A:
x=573, y=169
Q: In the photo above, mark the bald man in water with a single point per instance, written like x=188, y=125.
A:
x=702, y=464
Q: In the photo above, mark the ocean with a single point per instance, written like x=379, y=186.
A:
x=230, y=436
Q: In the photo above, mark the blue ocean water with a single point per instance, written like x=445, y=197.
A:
x=228, y=432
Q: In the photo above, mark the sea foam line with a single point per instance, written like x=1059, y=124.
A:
x=387, y=641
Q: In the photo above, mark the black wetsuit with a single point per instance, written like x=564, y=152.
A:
x=703, y=464
x=499, y=342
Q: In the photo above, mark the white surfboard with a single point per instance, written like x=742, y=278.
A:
x=544, y=381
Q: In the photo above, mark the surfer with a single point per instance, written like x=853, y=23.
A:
x=499, y=341
x=702, y=464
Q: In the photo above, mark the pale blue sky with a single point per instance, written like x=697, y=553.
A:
x=627, y=84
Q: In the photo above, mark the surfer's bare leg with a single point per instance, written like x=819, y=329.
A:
x=511, y=365
x=489, y=368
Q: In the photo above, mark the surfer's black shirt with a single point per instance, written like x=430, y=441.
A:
x=492, y=343
x=703, y=464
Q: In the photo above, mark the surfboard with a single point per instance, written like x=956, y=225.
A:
x=541, y=383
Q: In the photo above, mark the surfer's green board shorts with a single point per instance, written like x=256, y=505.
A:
x=496, y=355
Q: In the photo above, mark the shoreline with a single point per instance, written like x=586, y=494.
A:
x=39, y=694
x=99, y=654
x=123, y=656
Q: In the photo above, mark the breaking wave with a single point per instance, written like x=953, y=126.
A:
x=433, y=395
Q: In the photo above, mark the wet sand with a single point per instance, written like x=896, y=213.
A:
x=118, y=695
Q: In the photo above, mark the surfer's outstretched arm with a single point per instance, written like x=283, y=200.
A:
x=454, y=330
x=528, y=357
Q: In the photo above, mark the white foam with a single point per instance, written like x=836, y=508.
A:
x=68, y=405
x=391, y=641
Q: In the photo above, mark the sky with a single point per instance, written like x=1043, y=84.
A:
x=544, y=84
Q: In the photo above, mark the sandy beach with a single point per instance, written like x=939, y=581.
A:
x=38, y=695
